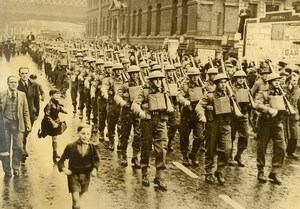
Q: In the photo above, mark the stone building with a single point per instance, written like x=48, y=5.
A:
x=197, y=24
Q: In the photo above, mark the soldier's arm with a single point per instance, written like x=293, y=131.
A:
x=254, y=88
x=136, y=106
x=181, y=95
x=260, y=102
x=104, y=88
x=119, y=95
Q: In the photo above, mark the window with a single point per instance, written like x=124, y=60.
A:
x=174, y=17
x=149, y=20
x=253, y=9
x=133, y=23
x=123, y=24
x=158, y=19
x=139, y=30
x=184, y=19
x=272, y=8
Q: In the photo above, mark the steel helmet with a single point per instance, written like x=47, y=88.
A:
x=79, y=54
x=133, y=68
x=193, y=71
x=117, y=66
x=108, y=64
x=177, y=64
x=212, y=70
x=144, y=64
x=156, y=67
x=170, y=67
x=273, y=76
x=239, y=73
x=220, y=76
x=99, y=62
x=124, y=61
x=156, y=74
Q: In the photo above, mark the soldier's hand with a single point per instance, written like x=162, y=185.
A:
x=273, y=112
x=143, y=115
x=202, y=119
x=209, y=107
x=187, y=103
x=123, y=103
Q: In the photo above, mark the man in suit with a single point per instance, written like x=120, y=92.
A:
x=16, y=120
x=31, y=90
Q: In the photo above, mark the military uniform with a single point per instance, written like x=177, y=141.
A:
x=108, y=90
x=124, y=97
x=189, y=95
x=271, y=106
x=216, y=107
x=153, y=105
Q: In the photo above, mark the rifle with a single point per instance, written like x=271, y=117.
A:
x=290, y=109
x=143, y=81
x=236, y=109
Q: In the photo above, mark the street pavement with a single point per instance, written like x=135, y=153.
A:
x=41, y=186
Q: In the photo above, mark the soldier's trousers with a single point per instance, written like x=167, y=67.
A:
x=292, y=133
x=188, y=122
x=113, y=114
x=173, y=124
x=218, y=141
x=74, y=93
x=81, y=96
x=95, y=109
x=87, y=102
x=102, y=114
x=129, y=119
x=270, y=128
x=241, y=126
x=154, y=132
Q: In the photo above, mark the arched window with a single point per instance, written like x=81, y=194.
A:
x=123, y=24
x=184, y=19
x=133, y=23
x=158, y=19
x=149, y=20
x=139, y=30
x=174, y=17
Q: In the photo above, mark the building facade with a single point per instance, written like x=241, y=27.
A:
x=197, y=24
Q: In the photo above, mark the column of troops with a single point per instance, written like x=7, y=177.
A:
x=157, y=96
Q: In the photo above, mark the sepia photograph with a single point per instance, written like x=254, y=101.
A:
x=158, y=104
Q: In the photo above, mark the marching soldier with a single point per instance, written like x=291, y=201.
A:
x=102, y=101
x=215, y=107
x=81, y=78
x=271, y=105
x=190, y=94
x=240, y=124
x=173, y=121
x=108, y=90
x=124, y=97
x=153, y=104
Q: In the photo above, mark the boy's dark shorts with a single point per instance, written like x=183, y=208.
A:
x=78, y=182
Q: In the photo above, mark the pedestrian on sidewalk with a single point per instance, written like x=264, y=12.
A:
x=51, y=124
x=83, y=162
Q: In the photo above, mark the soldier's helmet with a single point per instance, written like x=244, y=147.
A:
x=212, y=70
x=124, y=61
x=133, y=68
x=152, y=63
x=144, y=64
x=193, y=71
x=220, y=76
x=239, y=73
x=273, y=76
x=121, y=55
x=92, y=59
x=99, y=62
x=85, y=59
x=156, y=74
x=108, y=64
x=156, y=68
x=177, y=65
x=263, y=70
x=78, y=54
x=170, y=67
x=117, y=66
